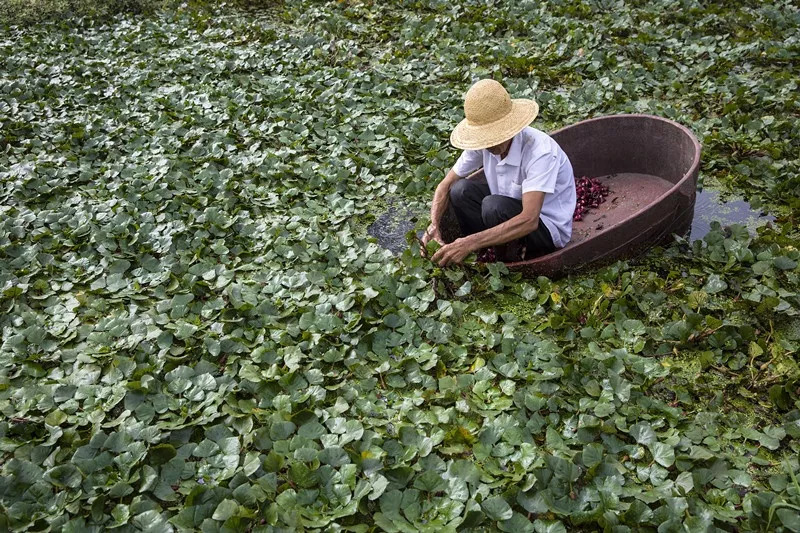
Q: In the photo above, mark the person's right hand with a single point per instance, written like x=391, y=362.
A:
x=432, y=234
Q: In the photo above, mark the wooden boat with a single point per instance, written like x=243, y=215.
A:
x=650, y=165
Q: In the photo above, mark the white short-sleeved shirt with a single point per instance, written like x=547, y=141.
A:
x=535, y=162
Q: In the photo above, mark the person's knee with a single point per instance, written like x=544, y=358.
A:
x=458, y=191
x=491, y=205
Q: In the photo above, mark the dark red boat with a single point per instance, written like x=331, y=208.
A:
x=650, y=165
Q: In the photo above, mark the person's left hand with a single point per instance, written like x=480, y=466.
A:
x=453, y=253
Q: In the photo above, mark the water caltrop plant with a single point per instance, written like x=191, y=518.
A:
x=197, y=333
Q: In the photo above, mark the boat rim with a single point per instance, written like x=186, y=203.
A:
x=687, y=175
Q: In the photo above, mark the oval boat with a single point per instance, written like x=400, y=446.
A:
x=650, y=165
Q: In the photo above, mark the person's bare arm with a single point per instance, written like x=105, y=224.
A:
x=514, y=228
x=439, y=206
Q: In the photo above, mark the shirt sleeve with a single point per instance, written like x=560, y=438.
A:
x=541, y=174
x=468, y=162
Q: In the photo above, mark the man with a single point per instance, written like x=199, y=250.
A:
x=527, y=197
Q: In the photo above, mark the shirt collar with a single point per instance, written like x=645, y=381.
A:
x=514, y=157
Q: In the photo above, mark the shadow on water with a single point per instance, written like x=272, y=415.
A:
x=390, y=227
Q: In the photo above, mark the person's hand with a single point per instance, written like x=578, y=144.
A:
x=453, y=253
x=432, y=234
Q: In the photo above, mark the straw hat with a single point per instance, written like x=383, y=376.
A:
x=492, y=116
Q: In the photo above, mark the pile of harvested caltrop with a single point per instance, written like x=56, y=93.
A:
x=590, y=193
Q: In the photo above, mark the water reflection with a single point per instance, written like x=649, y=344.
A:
x=709, y=207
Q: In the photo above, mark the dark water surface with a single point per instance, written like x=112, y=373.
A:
x=390, y=227
x=708, y=207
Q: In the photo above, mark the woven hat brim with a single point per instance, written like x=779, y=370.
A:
x=469, y=137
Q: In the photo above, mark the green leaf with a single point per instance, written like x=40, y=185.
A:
x=281, y=430
x=378, y=484
x=465, y=289
x=663, y=454
x=789, y=517
x=784, y=263
x=497, y=508
x=685, y=481
x=334, y=456
x=517, y=524
x=161, y=453
x=64, y=476
x=302, y=475
x=549, y=526
x=165, y=340
x=592, y=455
x=150, y=521
x=225, y=509
x=393, y=321
x=185, y=330
x=120, y=513
x=119, y=266
x=56, y=418
x=604, y=409
x=430, y=481
x=714, y=284
x=755, y=350
x=643, y=433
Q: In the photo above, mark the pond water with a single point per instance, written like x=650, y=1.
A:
x=390, y=227
x=709, y=206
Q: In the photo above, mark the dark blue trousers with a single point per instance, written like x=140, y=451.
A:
x=477, y=210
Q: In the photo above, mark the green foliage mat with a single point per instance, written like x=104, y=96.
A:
x=27, y=12
x=196, y=332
